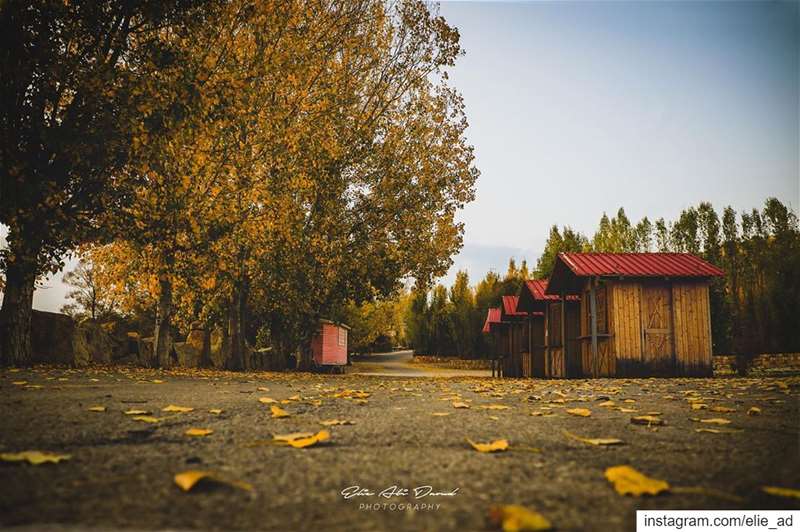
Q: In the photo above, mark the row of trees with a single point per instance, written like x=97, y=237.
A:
x=754, y=308
x=254, y=166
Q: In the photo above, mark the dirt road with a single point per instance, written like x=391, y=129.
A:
x=399, y=364
x=120, y=474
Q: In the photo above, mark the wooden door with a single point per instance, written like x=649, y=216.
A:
x=658, y=354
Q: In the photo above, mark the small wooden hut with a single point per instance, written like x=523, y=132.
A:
x=553, y=331
x=516, y=335
x=641, y=314
x=498, y=334
x=329, y=345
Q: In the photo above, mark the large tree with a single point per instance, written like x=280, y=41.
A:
x=73, y=78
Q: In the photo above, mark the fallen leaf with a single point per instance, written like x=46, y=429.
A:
x=491, y=447
x=582, y=412
x=781, y=492
x=198, y=432
x=607, y=404
x=189, y=479
x=593, y=441
x=278, y=412
x=713, y=420
x=495, y=407
x=332, y=422
x=440, y=414
x=157, y=381
x=718, y=431
x=647, y=420
x=146, y=419
x=515, y=518
x=262, y=389
x=754, y=411
x=174, y=408
x=215, y=411
x=458, y=404
x=302, y=440
x=97, y=409
x=266, y=400
x=135, y=412
x=292, y=436
x=628, y=481
x=34, y=457
x=723, y=409
x=699, y=406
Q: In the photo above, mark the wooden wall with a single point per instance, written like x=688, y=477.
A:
x=655, y=328
x=562, y=361
x=692, y=319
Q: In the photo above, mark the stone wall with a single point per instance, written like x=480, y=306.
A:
x=725, y=364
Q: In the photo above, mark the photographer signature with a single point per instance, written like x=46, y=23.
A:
x=396, y=491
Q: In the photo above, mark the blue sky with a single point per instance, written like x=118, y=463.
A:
x=577, y=108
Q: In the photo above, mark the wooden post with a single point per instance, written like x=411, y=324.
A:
x=546, y=350
x=593, y=321
x=564, y=332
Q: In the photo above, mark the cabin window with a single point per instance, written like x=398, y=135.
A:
x=554, y=325
x=342, y=336
x=601, y=303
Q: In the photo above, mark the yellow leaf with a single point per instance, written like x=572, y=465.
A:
x=607, y=404
x=491, y=447
x=331, y=422
x=628, y=481
x=582, y=412
x=292, y=436
x=173, y=408
x=157, y=381
x=594, y=441
x=215, y=411
x=189, y=479
x=146, y=419
x=495, y=407
x=266, y=400
x=515, y=518
x=458, y=404
x=135, y=412
x=647, y=420
x=278, y=412
x=262, y=389
x=301, y=440
x=754, y=411
x=723, y=409
x=713, y=421
x=198, y=432
x=699, y=406
x=97, y=409
x=294, y=398
x=34, y=457
x=440, y=414
x=781, y=492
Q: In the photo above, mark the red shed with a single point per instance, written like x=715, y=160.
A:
x=329, y=344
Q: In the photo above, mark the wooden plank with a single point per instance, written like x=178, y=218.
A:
x=593, y=323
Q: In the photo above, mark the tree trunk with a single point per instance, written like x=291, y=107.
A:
x=162, y=340
x=205, y=356
x=15, y=314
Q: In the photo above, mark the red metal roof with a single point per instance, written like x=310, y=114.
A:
x=537, y=289
x=492, y=317
x=510, y=306
x=639, y=265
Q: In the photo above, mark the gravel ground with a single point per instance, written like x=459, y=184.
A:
x=121, y=472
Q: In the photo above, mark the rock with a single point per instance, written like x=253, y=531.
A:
x=145, y=350
x=91, y=343
x=188, y=354
x=218, y=347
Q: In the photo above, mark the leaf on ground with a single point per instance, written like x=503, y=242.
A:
x=440, y=414
x=582, y=412
x=198, y=432
x=594, y=441
x=189, y=479
x=262, y=389
x=301, y=440
x=712, y=420
x=136, y=412
x=332, y=422
x=515, y=518
x=495, y=407
x=699, y=406
x=540, y=413
x=266, y=400
x=278, y=412
x=97, y=409
x=459, y=404
x=175, y=408
x=781, y=492
x=157, y=381
x=754, y=411
x=607, y=404
x=34, y=457
x=146, y=419
x=723, y=409
x=719, y=431
x=628, y=481
x=627, y=410
x=647, y=420
x=215, y=411
x=490, y=447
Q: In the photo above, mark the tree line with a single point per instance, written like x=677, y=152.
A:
x=754, y=308
x=249, y=166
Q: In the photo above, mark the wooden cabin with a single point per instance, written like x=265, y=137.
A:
x=553, y=331
x=329, y=345
x=498, y=334
x=641, y=314
x=516, y=335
